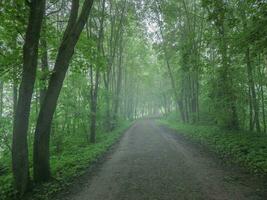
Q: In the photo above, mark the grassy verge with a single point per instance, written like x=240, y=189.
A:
x=72, y=161
x=246, y=149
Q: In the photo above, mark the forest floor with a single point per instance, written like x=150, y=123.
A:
x=152, y=162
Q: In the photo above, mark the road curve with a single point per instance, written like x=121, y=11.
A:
x=153, y=163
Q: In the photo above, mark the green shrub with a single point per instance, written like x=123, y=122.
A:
x=247, y=149
x=76, y=156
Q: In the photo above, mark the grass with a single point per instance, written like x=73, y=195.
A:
x=75, y=157
x=247, y=149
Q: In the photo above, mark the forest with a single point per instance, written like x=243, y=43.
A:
x=76, y=74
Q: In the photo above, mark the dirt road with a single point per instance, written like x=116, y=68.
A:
x=153, y=163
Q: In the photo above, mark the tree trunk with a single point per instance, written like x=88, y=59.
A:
x=44, y=63
x=261, y=73
x=228, y=98
x=263, y=109
x=20, y=163
x=178, y=100
x=119, y=82
x=94, y=86
x=251, y=124
x=15, y=100
x=94, y=95
x=1, y=98
x=253, y=91
x=43, y=128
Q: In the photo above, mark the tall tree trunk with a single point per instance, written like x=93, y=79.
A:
x=225, y=76
x=263, y=109
x=251, y=124
x=44, y=63
x=107, y=74
x=15, y=100
x=94, y=86
x=119, y=82
x=66, y=50
x=178, y=100
x=197, y=95
x=1, y=98
x=20, y=163
x=94, y=95
x=113, y=45
x=253, y=91
x=261, y=73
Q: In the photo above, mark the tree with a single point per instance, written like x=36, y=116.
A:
x=30, y=56
x=70, y=38
x=95, y=84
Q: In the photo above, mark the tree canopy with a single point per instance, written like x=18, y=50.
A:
x=71, y=70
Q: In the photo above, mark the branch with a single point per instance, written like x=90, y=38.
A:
x=54, y=11
x=28, y=3
x=73, y=17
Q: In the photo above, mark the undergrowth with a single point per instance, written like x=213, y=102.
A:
x=245, y=148
x=72, y=160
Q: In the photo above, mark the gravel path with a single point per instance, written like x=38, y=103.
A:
x=153, y=163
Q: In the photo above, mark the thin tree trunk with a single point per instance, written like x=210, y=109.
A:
x=251, y=124
x=1, y=98
x=226, y=80
x=253, y=91
x=178, y=100
x=94, y=86
x=263, y=109
x=44, y=63
x=261, y=73
x=94, y=95
x=119, y=82
x=197, y=97
x=15, y=100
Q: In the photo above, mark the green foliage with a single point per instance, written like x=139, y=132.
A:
x=245, y=148
x=201, y=44
x=12, y=17
x=77, y=155
x=6, y=189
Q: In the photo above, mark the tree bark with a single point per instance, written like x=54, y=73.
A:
x=254, y=101
x=44, y=63
x=20, y=163
x=119, y=82
x=66, y=50
x=1, y=98
x=263, y=109
x=94, y=95
x=94, y=86
x=251, y=124
x=261, y=73
x=15, y=100
x=228, y=98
